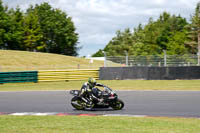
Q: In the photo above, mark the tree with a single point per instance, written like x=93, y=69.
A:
x=11, y=28
x=40, y=28
x=98, y=54
x=58, y=30
x=193, y=31
x=15, y=31
x=33, y=37
x=3, y=24
x=168, y=33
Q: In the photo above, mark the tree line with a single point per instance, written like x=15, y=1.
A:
x=40, y=28
x=172, y=33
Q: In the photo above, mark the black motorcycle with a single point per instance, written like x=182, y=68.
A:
x=108, y=99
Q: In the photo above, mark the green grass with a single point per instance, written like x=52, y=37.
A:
x=12, y=60
x=97, y=124
x=115, y=84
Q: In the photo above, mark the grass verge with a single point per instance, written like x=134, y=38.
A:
x=13, y=60
x=115, y=84
x=97, y=124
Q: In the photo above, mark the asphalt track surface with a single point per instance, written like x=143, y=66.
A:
x=150, y=103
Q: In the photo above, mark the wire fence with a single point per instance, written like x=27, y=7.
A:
x=113, y=61
x=153, y=60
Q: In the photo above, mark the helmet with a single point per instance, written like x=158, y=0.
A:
x=92, y=82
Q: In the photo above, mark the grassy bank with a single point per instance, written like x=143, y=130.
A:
x=115, y=84
x=12, y=60
x=85, y=124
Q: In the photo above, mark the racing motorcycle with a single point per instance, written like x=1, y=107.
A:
x=108, y=97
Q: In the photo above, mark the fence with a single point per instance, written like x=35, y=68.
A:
x=48, y=75
x=65, y=75
x=14, y=77
x=149, y=73
x=153, y=60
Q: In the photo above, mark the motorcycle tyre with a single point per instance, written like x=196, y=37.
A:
x=77, y=99
x=118, y=105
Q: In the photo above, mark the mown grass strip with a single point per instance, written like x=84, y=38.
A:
x=96, y=124
x=115, y=84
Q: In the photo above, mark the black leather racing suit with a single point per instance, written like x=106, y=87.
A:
x=87, y=89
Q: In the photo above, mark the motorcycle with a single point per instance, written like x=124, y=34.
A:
x=108, y=97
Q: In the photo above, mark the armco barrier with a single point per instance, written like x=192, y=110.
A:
x=149, y=73
x=65, y=75
x=15, y=77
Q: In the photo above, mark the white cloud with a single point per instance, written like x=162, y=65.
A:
x=160, y=2
x=98, y=20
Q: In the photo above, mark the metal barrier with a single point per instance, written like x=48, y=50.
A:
x=16, y=77
x=66, y=75
x=149, y=73
x=153, y=60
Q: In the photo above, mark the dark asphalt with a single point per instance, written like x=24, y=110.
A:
x=153, y=103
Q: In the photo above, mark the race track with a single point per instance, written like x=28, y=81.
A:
x=150, y=103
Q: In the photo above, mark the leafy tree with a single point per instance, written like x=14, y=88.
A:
x=175, y=44
x=3, y=24
x=99, y=54
x=58, y=30
x=40, y=28
x=33, y=36
x=193, y=30
x=15, y=31
x=119, y=44
x=168, y=33
x=11, y=28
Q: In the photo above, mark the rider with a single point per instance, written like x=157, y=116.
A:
x=87, y=89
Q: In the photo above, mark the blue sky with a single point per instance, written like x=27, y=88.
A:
x=98, y=20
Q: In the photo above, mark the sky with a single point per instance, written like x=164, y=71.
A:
x=97, y=21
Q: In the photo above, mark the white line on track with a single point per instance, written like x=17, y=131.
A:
x=72, y=114
x=32, y=113
x=125, y=115
x=56, y=113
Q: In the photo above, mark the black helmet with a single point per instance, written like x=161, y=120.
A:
x=92, y=82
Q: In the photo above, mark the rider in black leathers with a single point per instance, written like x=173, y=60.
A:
x=87, y=89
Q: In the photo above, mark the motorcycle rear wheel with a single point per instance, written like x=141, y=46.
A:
x=77, y=103
x=118, y=105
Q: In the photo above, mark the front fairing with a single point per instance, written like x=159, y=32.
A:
x=74, y=92
x=111, y=94
x=109, y=90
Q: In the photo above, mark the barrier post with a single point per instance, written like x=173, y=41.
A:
x=165, y=58
x=198, y=59
x=105, y=65
x=126, y=58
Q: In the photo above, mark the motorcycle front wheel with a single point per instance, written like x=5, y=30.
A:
x=77, y=103
x=117, y=105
